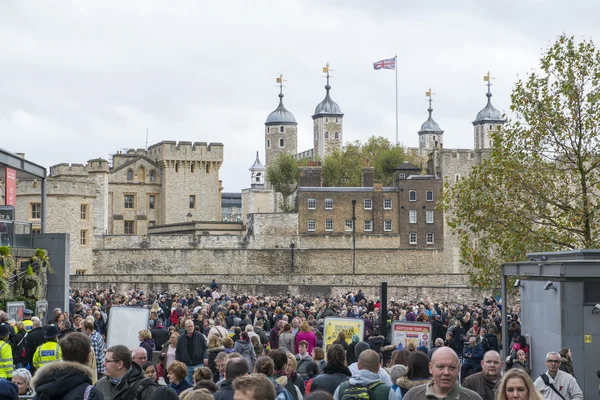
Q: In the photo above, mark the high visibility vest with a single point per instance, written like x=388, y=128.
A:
x=46, y=353
x=6, y=360
x=28, y=325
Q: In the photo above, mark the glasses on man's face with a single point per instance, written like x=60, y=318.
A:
x=107, y=361
x=553, y=361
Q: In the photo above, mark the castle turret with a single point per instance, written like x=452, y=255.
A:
x=281, y=130
x=430, y=134
x=327, y=124
x=258, y=172
x=487, y=121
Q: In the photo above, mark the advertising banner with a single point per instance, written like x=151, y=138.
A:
x=350, y=326
x=418, y=333
x=41, y=310
x=15, y=310
x=10, y=187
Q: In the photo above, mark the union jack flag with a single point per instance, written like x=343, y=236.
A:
x=390, y=63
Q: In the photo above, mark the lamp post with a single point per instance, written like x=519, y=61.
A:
x=292, y=245
x=353, y=237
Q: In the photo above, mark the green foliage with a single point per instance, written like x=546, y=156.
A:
x=40, y=253
x=343, y=169
x=283, y=176
x=538, y=189
x=29, y=302
x=4, y=251
x=29, y=270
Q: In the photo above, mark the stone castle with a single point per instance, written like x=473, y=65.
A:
x=141, y=220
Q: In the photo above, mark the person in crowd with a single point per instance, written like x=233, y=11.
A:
x=122, y=375
x=306, y=334
x=341, y=340
x=350, y=351
x=6, y=353
x=70, y=379
x=98, y=348
x=214, y=348
x=396, y=372
x=286, y=339
x=22, y=378
x=150, y=371
x=280, y=362
x=167, y=355
x=236, y=334
x=265, y=366
x=418, y=372
x=206, y=384
x=473, y=354
x=366, y=380
x=318, y=356
x=18, y=344
x=258, y=348
x=292, y=375
x=490, y=340
x=485, y=382
x=217, y=330
x=274, y=334
x=139, y=355
x=234, y=368
x=566, y=361
x=521, y=344
x=220, y=362
x=177, y=372
x=303, y=358
x=146, y=342
x=383, y=374
x=376, y=341
x=246, y=350
x=34, y=339
x=520, y=362
x=554, y=381
x=65, y=327
x=192, y=349
x=160, y=334
x=259, y=330
x=517, y=385
x=312, y=371
x=9, y=390
x=439, y=342
x=254, y=387
x=164, y=393
x=228, y=345
x=50, y=351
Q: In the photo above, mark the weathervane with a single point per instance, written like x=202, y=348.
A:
x=280, y=81
x=429, y=94
x=326, y=71
x=488, y=78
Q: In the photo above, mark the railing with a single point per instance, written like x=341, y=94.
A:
x=16, y=234
x=16, y=277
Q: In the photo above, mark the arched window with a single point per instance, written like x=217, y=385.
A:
x=336, y=135
x=326, y=135
x=268, y=144
x=141, y=174
x=129, y=175
x=258, y=177
x=153, y=176
x=281, y=142
x=281, y=129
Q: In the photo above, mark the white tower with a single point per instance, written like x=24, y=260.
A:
x=327, y=124
x=258, y=172
x=488, y=120
x=281, y=130
x=430, y=135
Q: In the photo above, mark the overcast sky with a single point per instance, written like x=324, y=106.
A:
x=84, y=79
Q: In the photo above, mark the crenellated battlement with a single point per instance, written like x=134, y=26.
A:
x=65, y=169
x=97, y=165
x=186, y=151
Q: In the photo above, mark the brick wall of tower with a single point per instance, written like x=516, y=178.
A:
x=327, y=126
x=273, y=135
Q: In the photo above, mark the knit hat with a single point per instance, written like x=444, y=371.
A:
x=360, y=347
x=8, y=390
x=355, y=338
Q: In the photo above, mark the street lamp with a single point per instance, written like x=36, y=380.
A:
x=353, y=237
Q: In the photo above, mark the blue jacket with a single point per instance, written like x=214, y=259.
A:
x=475, y=352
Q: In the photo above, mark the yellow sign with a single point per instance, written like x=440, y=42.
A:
x=587, y=338
x=350, y=326
x=325, y=69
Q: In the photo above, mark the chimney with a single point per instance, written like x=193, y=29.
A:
x=310, y=176
x=368, y=176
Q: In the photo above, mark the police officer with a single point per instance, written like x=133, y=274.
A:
x=6, y=358
x=27, y=314
x=49, y=351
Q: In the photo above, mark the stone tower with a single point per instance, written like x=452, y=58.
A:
x=281, y=130
x=327, y=124
x=98, y=170
x=488, y=120
x=258, y=172
x=430, y=135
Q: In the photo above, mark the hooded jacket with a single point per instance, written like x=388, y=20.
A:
x=333, y=375
x=406, y=384
x=365, y=378
x=246, y=350
x=64, y=380
x=128, y=383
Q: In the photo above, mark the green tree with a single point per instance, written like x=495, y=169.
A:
x=538, y=188
x=283, y=177
x=385, y=163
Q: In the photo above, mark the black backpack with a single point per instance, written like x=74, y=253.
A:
x=358, y=392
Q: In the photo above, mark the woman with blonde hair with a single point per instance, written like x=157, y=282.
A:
x=146, y=342
x=306, y=334
x=516, y=384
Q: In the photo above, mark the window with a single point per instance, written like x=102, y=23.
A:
x=141, y=174
x=368, y=203
x=429, y=216
x=329, y=204
x=128, y=227
x=326, y=135
x=129, y=175
x=151, y=223
x=328, y=225
x=193, y=168
x=336, y=135
x=151, y=202
x=412, y=196
x=83, y=211
x=80, y=272
x=336, y=120
x=387, y=225
x=192, y=201
x=176, y=167
x=281, y=142
x=412, y=239
x=368, y=225
x=152, y=176
x=129, y=201
x=348, y=225
x=268, y=144
x=401, y=176
x=430, y=238
x=312, y=204
x=312, y=225
x=387, y=204
x=412, y=216
x=83, y=237
x=281, y=129
x=36, y=210
x=429, y=195
x=36, y=231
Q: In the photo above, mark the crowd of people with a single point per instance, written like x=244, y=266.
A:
x=211, y=345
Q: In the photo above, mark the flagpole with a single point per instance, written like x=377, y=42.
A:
x=396, y=69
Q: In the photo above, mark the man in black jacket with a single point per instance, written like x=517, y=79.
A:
x=234, y=368
x=159, y=334
x=34, y=339
x=192, y=350
x=437, y=328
